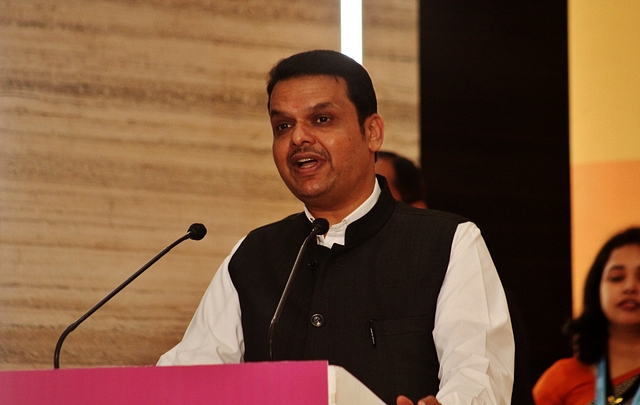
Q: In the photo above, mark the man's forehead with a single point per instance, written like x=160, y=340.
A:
x=306, y=94
x=305, y=79
x=311, y=108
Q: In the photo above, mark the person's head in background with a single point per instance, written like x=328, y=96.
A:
x=613, y=279
x=405, y=179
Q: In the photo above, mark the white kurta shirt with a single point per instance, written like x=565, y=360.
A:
x=472, y=332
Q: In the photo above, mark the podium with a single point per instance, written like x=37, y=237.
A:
x=269, y=383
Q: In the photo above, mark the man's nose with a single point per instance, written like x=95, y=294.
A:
x=301, y=134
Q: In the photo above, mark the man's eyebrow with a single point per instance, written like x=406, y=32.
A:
x=273, y=113
x=316, y=107
x=320, y=106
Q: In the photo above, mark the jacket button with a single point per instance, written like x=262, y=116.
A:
x=313, y=263
x=317, y=320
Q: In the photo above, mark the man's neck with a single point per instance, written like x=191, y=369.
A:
x=351, y=213
x=337, y=215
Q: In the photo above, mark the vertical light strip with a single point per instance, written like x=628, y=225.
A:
x=351, y=29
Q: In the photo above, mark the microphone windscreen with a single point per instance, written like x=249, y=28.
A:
x=197, y=231
x=320, y=226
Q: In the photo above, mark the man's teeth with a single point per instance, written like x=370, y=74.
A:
x=302, y=162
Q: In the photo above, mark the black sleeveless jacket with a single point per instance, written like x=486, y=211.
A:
x=368, y=306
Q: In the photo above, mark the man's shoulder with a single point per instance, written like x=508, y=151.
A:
x=421, y=214
x=270, y=240
x=287, y=227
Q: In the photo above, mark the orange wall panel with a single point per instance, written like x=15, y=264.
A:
x=605, y=200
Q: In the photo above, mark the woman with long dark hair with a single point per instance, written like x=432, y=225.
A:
x=606, y=336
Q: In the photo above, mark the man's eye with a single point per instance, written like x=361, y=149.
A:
x=323, y=120
x=282, y=127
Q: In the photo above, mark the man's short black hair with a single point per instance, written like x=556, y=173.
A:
x=330, y=63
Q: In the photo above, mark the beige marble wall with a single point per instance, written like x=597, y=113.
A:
x=124, y=121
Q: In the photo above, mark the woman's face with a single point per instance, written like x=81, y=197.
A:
x=620, y=287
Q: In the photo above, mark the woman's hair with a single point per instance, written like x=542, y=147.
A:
x=329, y=63
x=589, y=331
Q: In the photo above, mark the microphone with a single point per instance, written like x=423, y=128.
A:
x=320, y=226
x=195, y=232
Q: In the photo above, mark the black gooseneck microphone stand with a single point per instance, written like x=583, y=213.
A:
x=195, y=232
x=320, y=227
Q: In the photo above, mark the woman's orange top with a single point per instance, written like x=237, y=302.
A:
x=570, y=382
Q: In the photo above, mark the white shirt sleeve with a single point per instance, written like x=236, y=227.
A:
x=214, y=335
x=473, y=334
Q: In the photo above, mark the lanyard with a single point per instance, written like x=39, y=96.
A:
x=601, y=386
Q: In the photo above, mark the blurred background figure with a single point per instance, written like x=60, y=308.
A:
x=606, y=336
x=405, y=179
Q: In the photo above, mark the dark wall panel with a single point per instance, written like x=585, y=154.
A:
x=495, y=148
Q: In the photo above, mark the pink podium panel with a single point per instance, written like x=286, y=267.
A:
x=274, y=383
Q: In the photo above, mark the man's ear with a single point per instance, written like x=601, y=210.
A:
x=374, y=131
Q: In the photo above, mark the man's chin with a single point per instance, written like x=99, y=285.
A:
x=310, y=197
x=307, y=197
x=307, y=190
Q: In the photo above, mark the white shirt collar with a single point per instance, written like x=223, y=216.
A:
x=337, y=231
